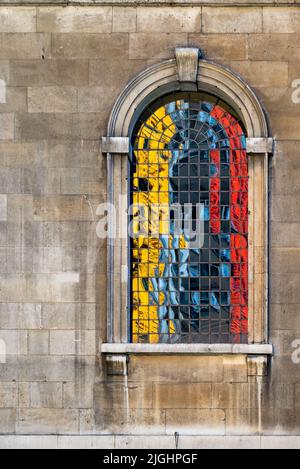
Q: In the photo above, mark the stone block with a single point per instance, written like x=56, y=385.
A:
x=285, y=234
x=124, y=19
x=231, y=20
x=4, y=70
x=188, y=369
x=23, y=395
x=24, y=46
x=241, y=421
x=89, y=46
x=173, y=20
x=47, y=421
x=76, y=19
x=15, y=341
x=285, y=288
x=284, y=316
x=158, y=46
x=195, y=421
x=38, y=342
x=280, y=442
x=286, y=126
x=220, y=46
x=7, y=126
x=28, y=442
x=86, y=442
x=235, y=369
x=63, y=208
x=279, y=395
x=17, y=20
x=46, y=368
x=52, y=99
x=125, y=421
x=218, y=442
x=285, y=261
x=15, y=100
x=273, y=47
x=69, y=316
x=281, y=20
x=101, y=72
x=48, y=395
x=72, y=342
x=262, y=73
x=37, y=126
x=8, y=395
x=13, y=154
x=118, y=395
x=49, y=72
x=179, y=396
x=140, y=442
x=234, y=395
x=80, y=394
x=8, y=421
x=285, y=208
x=3, y=207
x=280, y=422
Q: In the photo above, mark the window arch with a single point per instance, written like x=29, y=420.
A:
x=191, y=80
x=189, y=152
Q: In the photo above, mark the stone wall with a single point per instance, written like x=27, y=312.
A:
x=61, y=69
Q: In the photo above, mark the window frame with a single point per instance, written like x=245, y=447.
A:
x=178, y=75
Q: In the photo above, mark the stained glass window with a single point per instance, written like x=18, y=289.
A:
x=189, y=161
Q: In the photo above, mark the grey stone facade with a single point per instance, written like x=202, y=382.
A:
x=61, y=70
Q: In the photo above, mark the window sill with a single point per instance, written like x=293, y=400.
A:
x=188, y=349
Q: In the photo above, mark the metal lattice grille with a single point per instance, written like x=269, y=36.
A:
x=188, y=151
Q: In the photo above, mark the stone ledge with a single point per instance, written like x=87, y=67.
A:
x=148, y=442
x=188, y=349
x=158, y=3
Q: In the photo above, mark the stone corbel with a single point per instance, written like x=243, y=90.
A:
x=260, y=145
x=117, y=145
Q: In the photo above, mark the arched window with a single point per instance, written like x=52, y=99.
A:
x=189, y=161
x=190, y=135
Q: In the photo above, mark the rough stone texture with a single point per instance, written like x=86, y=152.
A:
x=61, y=70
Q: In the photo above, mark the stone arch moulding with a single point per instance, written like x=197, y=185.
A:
x=187, y=72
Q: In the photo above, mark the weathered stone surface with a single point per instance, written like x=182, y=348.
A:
x=273, y=47
x=8, y=421
x=38, y=342
x=178, y=396
x=3, y=207
x=15, y=100
x=7, y=131
x=195, y=421
x=55, y=72
x=124, y=19
x=48, y=421
x=133, y=395
x=173, y=20
x=8, y=395
x=57, y=126
x=47, y=395
x=234, y=395
x=281, y=20
x=89, y=46
x=157, y=46
x=69, y=316
x=220, y=47
x=262, y=73
x=75, y=19
x=24, y=46
x=232, y=20
x=52, y=99
x=20, y=20
x=192, y=369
